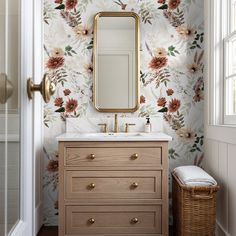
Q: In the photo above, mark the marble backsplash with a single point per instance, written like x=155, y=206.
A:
x=90, y=125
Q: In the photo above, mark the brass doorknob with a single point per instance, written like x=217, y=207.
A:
x=92, y=156
x=6, y=88
x=47, y=88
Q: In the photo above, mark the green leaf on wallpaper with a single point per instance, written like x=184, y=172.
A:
x=172, y=51
x=163, y=7
x=68, y=48
x=60, y=7
x=61, y=109
x=173, y=154
x=164, y=109
x=69, y=51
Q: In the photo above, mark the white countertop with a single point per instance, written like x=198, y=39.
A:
x=113, y=137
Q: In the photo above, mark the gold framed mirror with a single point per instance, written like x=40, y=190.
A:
x=116, y=62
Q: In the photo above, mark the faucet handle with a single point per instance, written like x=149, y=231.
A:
x=104, y=127
x=127, y=127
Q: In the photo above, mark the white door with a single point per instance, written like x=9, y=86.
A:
x=20, y=118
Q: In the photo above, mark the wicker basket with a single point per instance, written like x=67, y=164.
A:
x=194, y=209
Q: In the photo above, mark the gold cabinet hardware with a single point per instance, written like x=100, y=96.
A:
x=134, y=185
x=134, y=156
x=105, y=130
x=134, y=220
x=91, y=186
x=91, y=221
x=47, y=88
x=6, y=88
x=92, y=156
x=127, y=125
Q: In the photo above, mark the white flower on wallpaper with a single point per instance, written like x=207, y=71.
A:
x=171, y=74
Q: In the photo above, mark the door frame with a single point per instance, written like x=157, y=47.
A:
x=31, y=61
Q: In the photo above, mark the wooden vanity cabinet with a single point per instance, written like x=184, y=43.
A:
x=113, y=188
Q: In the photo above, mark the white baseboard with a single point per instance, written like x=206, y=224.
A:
x=220, y=231
x=38, y=217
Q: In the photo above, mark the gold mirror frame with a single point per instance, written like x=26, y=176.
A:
x=137, y=59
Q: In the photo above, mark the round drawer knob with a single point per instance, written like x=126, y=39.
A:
x=134, y=156
x=92, y=156
x=134, y=220
x=134, y=185
x=91, y=221
x=91, y=186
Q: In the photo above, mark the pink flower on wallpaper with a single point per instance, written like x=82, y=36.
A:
x=158, y=62
x=142, y=99
x=57, y=52
x=186, y=134
x=174, y=105
x=52, y=166
x=160, y=52
x=55, y=62
x=58, y=102
x=173, y=4
x=81, y=30
x=161, y=1
x=88, y=68
x=186, y=31
x=71, y=4
x=71, y=105
x=66, y=92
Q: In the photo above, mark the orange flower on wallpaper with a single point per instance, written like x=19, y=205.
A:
x=52, y=166
x=71, y=4
x=157, y=63
x=58, y=1
x=58, y=102
x=161, y=102
x=71, y=105
x=174, y=105
x=142, y=99
x=173, y=4
x=55, y=62
x=66, y=92
x=169, y=92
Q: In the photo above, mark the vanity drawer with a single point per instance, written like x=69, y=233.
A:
x=113, y=156
x=113, y=184
x=96, y=219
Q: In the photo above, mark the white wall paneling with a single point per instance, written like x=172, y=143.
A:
x=220, y=141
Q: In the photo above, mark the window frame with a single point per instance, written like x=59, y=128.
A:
x=228, y=34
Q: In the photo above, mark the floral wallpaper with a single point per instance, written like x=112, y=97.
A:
x=171, y=74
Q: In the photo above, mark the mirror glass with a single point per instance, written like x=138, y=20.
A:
x=116, y=62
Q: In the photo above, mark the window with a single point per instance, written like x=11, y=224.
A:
x=229, y=25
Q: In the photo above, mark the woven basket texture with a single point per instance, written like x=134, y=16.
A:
x=194, y=209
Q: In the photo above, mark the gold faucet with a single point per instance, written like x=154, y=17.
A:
x=116, y=128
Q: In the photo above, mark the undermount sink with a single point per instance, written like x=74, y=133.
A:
x=111, y=134
x=114, y=137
